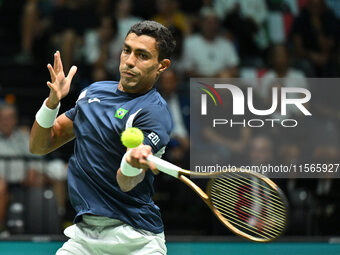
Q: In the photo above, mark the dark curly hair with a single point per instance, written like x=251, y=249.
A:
x=164, y=39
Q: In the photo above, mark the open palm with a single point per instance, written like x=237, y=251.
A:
x=59, y=85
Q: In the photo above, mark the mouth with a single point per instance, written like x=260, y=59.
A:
x=129, y=74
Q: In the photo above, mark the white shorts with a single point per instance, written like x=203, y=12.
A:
x=97, y=235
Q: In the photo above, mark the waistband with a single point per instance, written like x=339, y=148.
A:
x=102, y=221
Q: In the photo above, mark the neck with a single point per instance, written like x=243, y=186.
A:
x=134, y=90
x=281, y=73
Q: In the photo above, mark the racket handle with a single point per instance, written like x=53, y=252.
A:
x=165, y=166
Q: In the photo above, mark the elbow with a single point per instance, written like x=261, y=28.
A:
x=123, y=186
x=124, y=189
x=123, y=182
x=36, y=151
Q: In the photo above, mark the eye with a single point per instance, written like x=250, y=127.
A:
x=143, y=56
x=126, y=50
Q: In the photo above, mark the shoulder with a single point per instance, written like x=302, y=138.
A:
x=294, y=73
x=154, y=109
x=103, y=84
x=154, y=103
x=296, y=78
x=223, y=42
x=270, y=74
x=193, y=39
x=98, y=87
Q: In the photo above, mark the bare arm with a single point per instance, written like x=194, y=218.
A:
x=136, y=159
x=45, y=140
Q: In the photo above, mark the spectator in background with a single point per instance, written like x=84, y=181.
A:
x=207, y=54
x=14, y=143
x=178, y=148
x=245, y=20
x=281, y=74
x=35, y=22
x=60, y=23
x=125, y=19
x=70, y=19
x=228, y=142
x=102, y=49
x=334, y=5
x=177, y=57
x=314, y=36
x=168, y=14
x=261, y=150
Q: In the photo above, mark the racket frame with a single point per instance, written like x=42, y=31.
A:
x=181, y=174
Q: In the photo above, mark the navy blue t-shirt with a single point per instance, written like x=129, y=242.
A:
x=101, y=114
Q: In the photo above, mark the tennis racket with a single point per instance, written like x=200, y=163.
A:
x=249, y=204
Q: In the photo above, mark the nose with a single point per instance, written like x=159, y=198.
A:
x=131, y=60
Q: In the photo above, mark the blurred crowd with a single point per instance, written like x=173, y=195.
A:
x=251, y=39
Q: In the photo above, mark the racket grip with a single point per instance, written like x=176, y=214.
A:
x=165, y=166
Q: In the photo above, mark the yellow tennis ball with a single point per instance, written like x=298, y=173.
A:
x=132, y=137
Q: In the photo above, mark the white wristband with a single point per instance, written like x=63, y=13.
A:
x=127, y=169
x=46, y=116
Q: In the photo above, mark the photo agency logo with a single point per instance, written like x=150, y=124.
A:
x=282, y=98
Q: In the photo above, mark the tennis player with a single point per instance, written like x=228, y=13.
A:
x=110, y=188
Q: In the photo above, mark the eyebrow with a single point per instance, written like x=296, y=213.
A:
x=138, y=49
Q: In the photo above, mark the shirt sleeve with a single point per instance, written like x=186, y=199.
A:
x=156, y=124
x=71, y=114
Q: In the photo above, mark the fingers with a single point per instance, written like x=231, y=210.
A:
x=138, y=157
x=57, y=64
x=50, y=85
x=58, y=68
x=60, y=64
x=72, y=72
x=52, y=73
x=153, y=168
x=55, y=61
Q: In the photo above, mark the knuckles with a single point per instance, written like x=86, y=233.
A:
x=138, y=156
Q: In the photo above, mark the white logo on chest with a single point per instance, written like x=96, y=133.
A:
x=93, y=100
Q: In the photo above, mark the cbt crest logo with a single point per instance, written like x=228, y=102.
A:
x=240, y=101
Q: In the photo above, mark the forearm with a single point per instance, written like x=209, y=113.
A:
x=46, y=140
x=42, y=130
x=127, y=183
x=40, y=139
x=133, y=167
x=49, y=132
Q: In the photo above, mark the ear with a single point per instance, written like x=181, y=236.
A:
x=163, y=65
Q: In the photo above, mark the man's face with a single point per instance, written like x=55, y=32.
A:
x=139, y=66
x=280, y=58
x=261, y=151
x=8, y=121
x=210, y=26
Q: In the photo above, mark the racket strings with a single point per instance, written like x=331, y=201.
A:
x=252, y=194
x=247, y=214
x=266, y=233
x=248, y=209
x=242, y=225
x=276, y=204
x=248, y=200
x=269, y=229
x=253, y=207
x=259, y=186
x=265, y=191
